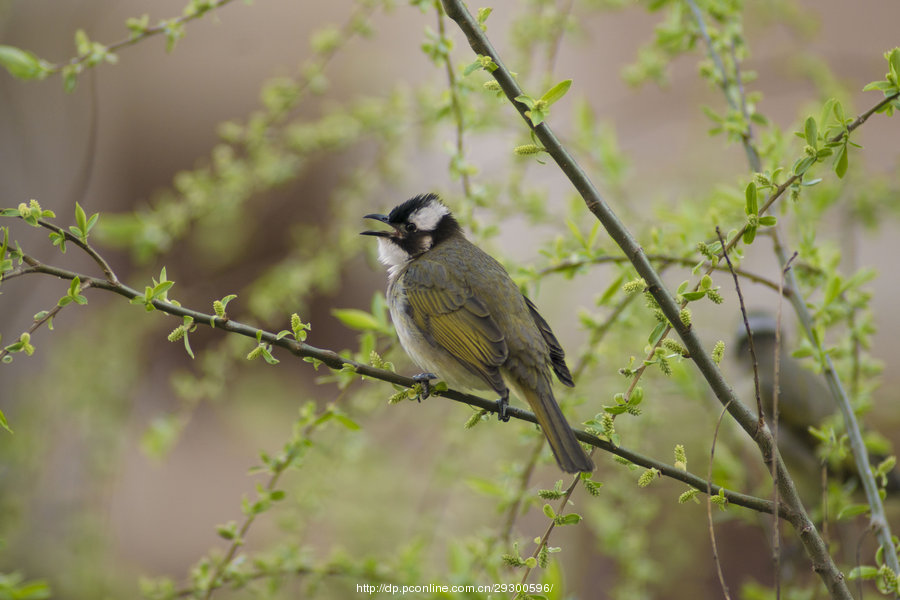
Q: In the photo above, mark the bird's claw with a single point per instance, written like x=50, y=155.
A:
x=424, y=380
x=502, y=406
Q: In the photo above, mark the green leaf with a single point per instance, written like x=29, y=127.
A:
x=833, y=289
x=537, y=116
x=161, y=288
x=3, y=422
x=810, y=130
x=853, y=510
x=840, y=162
x=187, y=345
x=81, y=220
x=611, y=290
x=526, y=100
x=894, y=62
x=752, y=206
x=657, y=333
x=878, y=85
x=21, y=64
x=488, y=487
x=346, y=422
x=356, y=319
x=863, y=572
x=228, y=531
x=556, y=92
x=472, y=67
x=548, y=511
x=569, y=519
x=749, y=235
x=768, y=221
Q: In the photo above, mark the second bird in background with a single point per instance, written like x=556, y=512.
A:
x=804, y=401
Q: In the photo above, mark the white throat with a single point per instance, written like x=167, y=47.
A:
x=392, y=256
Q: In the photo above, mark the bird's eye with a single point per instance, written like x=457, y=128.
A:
x=410, y=227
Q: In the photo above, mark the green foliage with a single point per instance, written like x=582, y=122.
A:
x=212, y=213
x=14, y=587
x=890, y=85
x=538, y=110
x=22, y=64
x=158, y=290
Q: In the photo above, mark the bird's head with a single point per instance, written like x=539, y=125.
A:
x=417, y=226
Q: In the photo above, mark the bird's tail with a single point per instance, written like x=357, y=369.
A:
x=568, y=452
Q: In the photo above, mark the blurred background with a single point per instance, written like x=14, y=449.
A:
x=242, y=162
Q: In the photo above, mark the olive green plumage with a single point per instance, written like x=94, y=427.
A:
x=459, y=315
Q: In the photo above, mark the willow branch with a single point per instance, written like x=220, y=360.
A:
x=877, y=517
x=747, y=133
x=456, y=107
x=564, y=501
x=335, y=361
x=664, y=260
x=809, y=535
x=163, y=27
x=95, y=256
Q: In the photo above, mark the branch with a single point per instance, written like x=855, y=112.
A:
x=456, y=106
x=564, y=501
x=747, y=134
x=750, y=344
x=809, y=536
x=665, y=260
x=337, y=362
x=164, y=27
x=104, y=266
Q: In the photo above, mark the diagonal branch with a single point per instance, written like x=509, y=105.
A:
x=104, y=266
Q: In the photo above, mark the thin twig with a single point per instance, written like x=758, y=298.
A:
x=163, y=27
x=456, y=106
x=513, y=513
x=663, y=259
x=709, y=503
x=776, y=391
x=747, y=134
x=554, y=44
x=760, y=414
x=46, y=318
x=95, y=256
x=544, y=538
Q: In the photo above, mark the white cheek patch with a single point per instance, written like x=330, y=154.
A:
x=427, y=217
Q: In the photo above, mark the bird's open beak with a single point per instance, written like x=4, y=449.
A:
x=382, y=233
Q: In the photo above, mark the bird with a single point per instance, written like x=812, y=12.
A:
x=461, y=318
x=804, y=401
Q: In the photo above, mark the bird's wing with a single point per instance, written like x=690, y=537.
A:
x=446, y=310
x=557, y=355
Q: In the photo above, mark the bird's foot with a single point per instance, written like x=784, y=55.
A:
x=424, y=380
x=502, y=406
